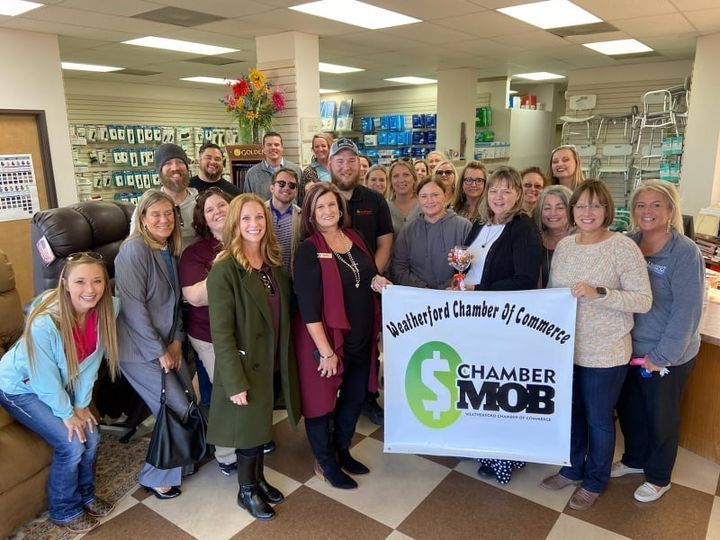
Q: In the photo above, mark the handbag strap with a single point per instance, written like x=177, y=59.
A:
x=182, y=385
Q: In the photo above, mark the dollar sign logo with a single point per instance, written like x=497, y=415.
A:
x=430, y=367
x=430, y=386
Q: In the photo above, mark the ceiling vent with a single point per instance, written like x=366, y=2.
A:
x=178, y=17
x=137, y=72
x=583, y=29
x=214, y=60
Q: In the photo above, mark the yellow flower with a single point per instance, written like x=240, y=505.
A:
x=257, y=77
x=250, y=115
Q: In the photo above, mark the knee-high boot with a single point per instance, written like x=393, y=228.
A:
x=268, y=492
x=326, y=465
x=249, y=496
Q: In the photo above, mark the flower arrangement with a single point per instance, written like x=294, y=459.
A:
x=253, y=101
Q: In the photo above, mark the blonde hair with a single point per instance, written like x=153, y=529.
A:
x=150, y=198
x=509, y=176
x=561, y=192
x=234, y=242
x=410, y=167
x=372, y=170
x=672, y=198
x=57, y=304
x=578, y=178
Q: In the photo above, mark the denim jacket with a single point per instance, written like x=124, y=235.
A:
x=49, y=378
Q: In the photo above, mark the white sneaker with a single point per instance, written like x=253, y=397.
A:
x=649, y=492
x=620, y=469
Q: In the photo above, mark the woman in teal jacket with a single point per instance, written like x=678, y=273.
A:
x=47, y=377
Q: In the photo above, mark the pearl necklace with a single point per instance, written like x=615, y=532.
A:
x=350, y=263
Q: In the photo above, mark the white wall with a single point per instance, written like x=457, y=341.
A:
x=700, y=182
x=531, y=138
x=456, y=99
x=32, y=80
x=630, y=72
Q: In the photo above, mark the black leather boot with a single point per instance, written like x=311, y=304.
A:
x=326, y=465
x=350, y=464
x=270, y=493
x=249, y=496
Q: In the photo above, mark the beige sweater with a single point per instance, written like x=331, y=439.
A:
x=602, y=330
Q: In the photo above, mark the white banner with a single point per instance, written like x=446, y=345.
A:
x=479, y=374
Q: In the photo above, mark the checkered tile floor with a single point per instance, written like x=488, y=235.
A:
x=422, y=497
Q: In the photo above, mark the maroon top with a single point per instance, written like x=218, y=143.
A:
x=86, y=338
x=318, y=393
x=195, y=264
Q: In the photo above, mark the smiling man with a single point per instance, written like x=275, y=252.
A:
x=285, y=214
x=210, y=173
x=259, y=176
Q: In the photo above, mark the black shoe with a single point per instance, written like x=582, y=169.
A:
x=269, y=448
x=249, y=498
x=350, y=464
x=228, y=469
x=270, y=493
x=171, y=493
x=373, y=411
x=334, y=475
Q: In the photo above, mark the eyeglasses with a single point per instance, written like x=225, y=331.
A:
x=283, y=183
x=444, y=173
x=475, y=181
x=80, y=254
x=592, y=207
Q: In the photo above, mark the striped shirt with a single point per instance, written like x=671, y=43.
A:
x=282, y=224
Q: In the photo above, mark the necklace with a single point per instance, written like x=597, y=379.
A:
x=350, y=262
x=489, y=238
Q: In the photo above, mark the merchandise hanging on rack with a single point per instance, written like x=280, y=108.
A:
x=18, y=188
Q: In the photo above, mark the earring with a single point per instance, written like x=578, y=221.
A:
x=341, y=214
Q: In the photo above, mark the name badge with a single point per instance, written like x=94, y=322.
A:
x=324, y=255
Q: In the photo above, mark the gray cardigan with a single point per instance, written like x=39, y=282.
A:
x=150, y=299
x=668, y=333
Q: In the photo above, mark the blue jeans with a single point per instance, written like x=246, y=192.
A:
x=592, y=431
x=71, y=483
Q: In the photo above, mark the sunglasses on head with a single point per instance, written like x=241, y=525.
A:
x=283, y=183
x=80, y=254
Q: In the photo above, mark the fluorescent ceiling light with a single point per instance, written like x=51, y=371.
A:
x=355, y=13
x=179, y=46
x=208, y=80
x=17, y=7
x=411, y=80
x=335, y=68
x=328, y=91
x=551, y=14
x=539, y=76
x=89, y=67
x=618, y=46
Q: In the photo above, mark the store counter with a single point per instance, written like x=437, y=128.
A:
x=700, y=410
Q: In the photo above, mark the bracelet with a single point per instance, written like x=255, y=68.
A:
x=328, y=357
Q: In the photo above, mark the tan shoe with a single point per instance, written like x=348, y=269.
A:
x=558, y=481
x=583, y=499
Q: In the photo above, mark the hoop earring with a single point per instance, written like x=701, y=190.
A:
x=341, y=213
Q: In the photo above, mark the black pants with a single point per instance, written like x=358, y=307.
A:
x=352, y=394
x=649, y=414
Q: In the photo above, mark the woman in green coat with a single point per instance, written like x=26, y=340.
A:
x=249, y=301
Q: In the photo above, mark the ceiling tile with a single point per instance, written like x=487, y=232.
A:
x=126, y=8
x=486, y=24
x=240, y=28
x=609, y=10
x=428, y=10
x=428, y=33
x=98, y=20
x=481, y=47
x=706, y=20
x=68, y=43
x=49, y=27
x=223, y=8
x=654, y=25
x=538, y=39
x=299, y=22
x=692, y=5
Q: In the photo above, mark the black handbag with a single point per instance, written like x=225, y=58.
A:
x=178, y=440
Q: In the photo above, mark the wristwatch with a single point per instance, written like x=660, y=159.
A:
x=602, y=291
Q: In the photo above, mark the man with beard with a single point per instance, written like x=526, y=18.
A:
x=285, y=214
x=257, y=179
x=211, y=170
x=369, y=214
x=171, y=164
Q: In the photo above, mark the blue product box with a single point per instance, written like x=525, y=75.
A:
x=396, y=153
x=431, y=121
x=418, y=121
x=385, y=122
x=394, y=122
x=366, y=124
x=373, y=154
x=377, y=123
x=406, y=151
x=392, y=138
x=417, y=152
x=418, y=137
x=382, y=138
x=430, y=137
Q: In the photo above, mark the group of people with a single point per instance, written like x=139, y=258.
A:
x=283, y=303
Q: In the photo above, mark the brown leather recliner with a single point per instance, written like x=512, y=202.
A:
x=24, y=457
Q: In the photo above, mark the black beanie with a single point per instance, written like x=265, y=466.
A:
x=166, y=152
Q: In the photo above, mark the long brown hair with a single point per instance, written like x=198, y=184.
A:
x=57, y=304
x=460, y=198
x=505, y=175
x=234, y=242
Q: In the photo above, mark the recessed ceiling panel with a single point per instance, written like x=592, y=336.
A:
x=178, y=16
